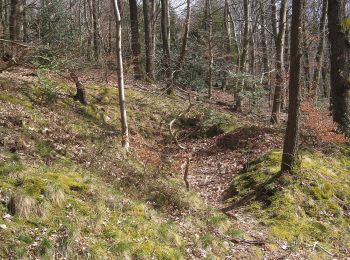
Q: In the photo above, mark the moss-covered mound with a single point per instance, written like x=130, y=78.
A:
x=309, y=208
x=68, y=191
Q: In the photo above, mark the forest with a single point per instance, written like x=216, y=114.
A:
x=174, y=129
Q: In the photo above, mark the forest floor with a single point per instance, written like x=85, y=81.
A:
x=230, y=155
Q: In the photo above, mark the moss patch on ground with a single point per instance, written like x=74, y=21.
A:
x=311, y=206
x=67, y=190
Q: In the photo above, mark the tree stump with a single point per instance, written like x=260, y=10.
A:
x=81, y=94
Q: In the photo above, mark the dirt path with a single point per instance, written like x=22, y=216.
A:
x=215, y=161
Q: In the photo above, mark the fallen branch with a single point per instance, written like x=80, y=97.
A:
x=172, y=133
x=187, y=167
x=316, y=244
x=241, y=241
x=17, y=43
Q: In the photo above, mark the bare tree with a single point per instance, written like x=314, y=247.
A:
x=320, y=49
x=14, y=20
x=279, y=42
x=135, y=39
x=210, y=49
x=185, y=36
x=246, y=41
x=124, y=123
x=95, y=23
x=147, y=17
x=166, y=44
x=291, y=140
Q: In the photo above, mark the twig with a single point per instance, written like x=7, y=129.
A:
x=322, y=248
x=187, y=167
x=241, y=241
x=17, y=43
x=174, y=120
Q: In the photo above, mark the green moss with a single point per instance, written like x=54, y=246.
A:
x=310, y=204
x=44, y=149
x=11, y=164
x=77, y=207
x=205, y=121
x=345, y=25
x=24, y=237
x=16, y=100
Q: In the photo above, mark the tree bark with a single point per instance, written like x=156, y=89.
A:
x=246, y=41
x=95, y=30
x=210, y=49
x=166, y=44
x=265, y=55
x=246, y=38
x=147, y=10
x=81, y=93
x=135, y=39
x=24, y=21
x=291, y=140
x=185, y=36
x=339, y=37
x=279, y=42
x=306, y=63
x=320, y=49
x=124, y=123
x=234, y=37
x=13, y=20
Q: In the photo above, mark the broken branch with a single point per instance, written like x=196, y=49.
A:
x=172, y=133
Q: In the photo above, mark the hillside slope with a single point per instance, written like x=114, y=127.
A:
x=68, y=191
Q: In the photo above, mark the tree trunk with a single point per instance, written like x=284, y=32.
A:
x=339, y=37
x=185, y=36
x=13, y=20
x=274, y=17
x=320, y=49
x=265, y=55
x=81, y=93
x=124, y=124
x=246, y=41
x=291, y=140
x=307, y=85
x=3, y=26
x=182, y=55
x=210, y=50
x=228, y=31
x=95, y=30
x=234, y=37
x=246, y=38
x=135, y=39
x=147, y=10
x=166, y=44
x=276, y=107
x=24, y=21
